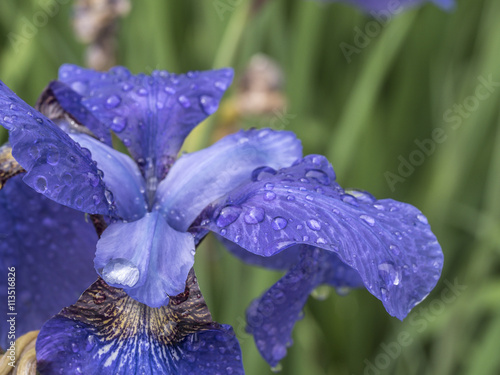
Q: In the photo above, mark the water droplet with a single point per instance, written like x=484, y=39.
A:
x=394, y=249
x=223, y=232
x=278, y=367
x=228, y=215
x=389, y=273
x=169, y=90
x=383, y=292
x=121, y=271
x=262, y=172
x=74, y=347
x=142, y=92
x=229, y=370
x=41, y=184
x=309, y=197
x=319, y=176
x=113, y=102
x=255, y=215
x=379, y=207
x=368, y=220
x=422, y=219
x=184, y=101
x=53, y=156
x=67, y=178
x=109, y=196
x=8, y=119
x=290, y=198
x=96, y=200
x=321, y=292
x=347, y=198
x=90, y=343
x=119, y=123
x=269, y=196
x=279, y=223
x=208, y=104
x=321, y=241
x=220, y=85
x=34, y=152
x=269, y=186
x=127, y=87
x=313, y=224
x=93, y=179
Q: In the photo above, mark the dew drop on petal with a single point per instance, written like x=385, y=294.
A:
x=121, y=271
x=53, y=156
x=269, y=196
x=109, y=196
x=347, y=198
x=119, y=123
x=227, y=216
x=113, y=101
x=319, y=176
x=262, y=172
x=279, y=223
x=368, y=220
x=254, y=216
x=184, y=101
x=127, y=87
x=220, y=85
x=41, y=184
x=208, y=104
x=313, y=224
x=67, y=178
x=34, y=152
x=422, y=219
x=389, y=273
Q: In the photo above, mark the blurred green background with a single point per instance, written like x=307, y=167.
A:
x=366, y=116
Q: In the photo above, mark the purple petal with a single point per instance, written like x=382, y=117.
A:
x=152, y=115
x=271, y=317
x=121, y=176
x=389, y=243
x=57, y=167
x=51, y=248
x=199, y=178
x=108, y=333
x=147, y=258
x=70, y=102
x=281, y=261
x=389, y=8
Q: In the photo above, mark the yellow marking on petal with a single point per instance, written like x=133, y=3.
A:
x=9, y=167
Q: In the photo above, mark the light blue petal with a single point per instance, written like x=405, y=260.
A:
x=147, y=258
x=121, y=176
x=198, y=179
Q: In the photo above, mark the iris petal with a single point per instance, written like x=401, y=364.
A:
x=152, y=115
x=70, y=102
x=51, y=248
x=147, y=258
x=199, y=178
x=271, y=317
x=108, y=333
x=57, y=167
x=389, y=243
x=121, y=176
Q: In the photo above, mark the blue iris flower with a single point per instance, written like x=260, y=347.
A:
x=254, y=189
x=393, y=6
